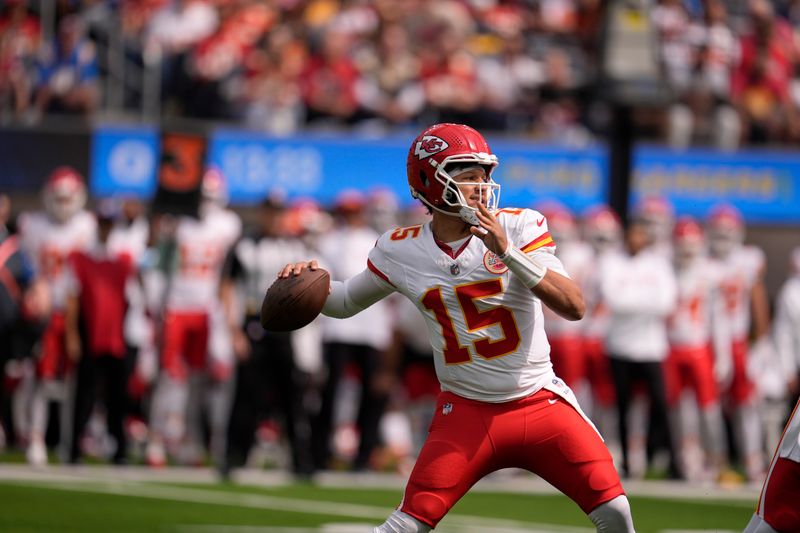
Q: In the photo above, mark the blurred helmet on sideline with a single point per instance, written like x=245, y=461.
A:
x=725, y=228
x=602, y=228
x=688, y=240
x=64, y=194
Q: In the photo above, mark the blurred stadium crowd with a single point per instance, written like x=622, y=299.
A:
x=137, y=339
x=523, y=66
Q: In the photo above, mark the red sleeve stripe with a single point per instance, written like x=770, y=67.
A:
x=378, y=273
x=542, y=240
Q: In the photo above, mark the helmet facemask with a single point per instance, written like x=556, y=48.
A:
x=451, y=192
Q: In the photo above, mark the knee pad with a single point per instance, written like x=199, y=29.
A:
x=614, y=516
x=400, y=522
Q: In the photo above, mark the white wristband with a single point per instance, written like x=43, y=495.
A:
x=523, y=266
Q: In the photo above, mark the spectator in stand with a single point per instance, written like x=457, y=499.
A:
x=760, y=84
x=390, y=86
x=272, y=96
x=329, y=81
x=510, y=81
x=171, y=33
x=639, y=288
x=710, y=54
x=95, y=338
x=20, y=35
x=68, y=78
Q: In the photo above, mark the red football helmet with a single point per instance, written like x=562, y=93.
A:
x=602, y=228
x=725, y=227
x=688, y=239
x=430, y=179
x=64, y=193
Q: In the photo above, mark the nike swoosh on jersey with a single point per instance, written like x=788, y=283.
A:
x=551, y=402
x=540, y=221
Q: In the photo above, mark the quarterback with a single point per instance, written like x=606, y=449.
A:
x=480, y=275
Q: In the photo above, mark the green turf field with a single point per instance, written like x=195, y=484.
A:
x=103, y=505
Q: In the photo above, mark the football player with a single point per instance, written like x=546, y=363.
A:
x=480, y=275
x=48, y=237
x=194, y=343
x=698, y=330
x=746, y=304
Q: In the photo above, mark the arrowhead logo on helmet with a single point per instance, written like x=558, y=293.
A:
x=430, y=145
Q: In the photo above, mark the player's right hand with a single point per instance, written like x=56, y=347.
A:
x=294, y=269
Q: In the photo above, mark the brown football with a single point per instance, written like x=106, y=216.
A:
x=293, y=302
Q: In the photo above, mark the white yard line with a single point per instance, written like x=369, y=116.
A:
x=504, y=481
x=453, y=523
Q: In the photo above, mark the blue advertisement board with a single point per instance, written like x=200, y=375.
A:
x=531, y=174
x=764, y=185
x=124, y=161
x=314, y=166
x=322, y=167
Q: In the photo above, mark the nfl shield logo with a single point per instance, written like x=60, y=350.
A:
x=446, y=408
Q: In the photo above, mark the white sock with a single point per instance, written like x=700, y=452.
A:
x=400, y=522
x=614, y=516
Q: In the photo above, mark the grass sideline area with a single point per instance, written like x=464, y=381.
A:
x=191, y=500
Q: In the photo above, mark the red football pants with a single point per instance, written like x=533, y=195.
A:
x=742, y=389
x=54, y=363
x=690, y=368
x=185, y=343
x=541, y=433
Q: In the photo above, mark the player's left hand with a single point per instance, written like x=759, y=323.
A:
x=490, y=231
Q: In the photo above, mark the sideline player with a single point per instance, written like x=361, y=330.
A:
x=480, y=275
x=49, y=237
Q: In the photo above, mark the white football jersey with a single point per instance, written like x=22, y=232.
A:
x=49, y=243
x=699, y=288
x=740, y=272
x=485, y=327
x=577, y=258
x=202, y=245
